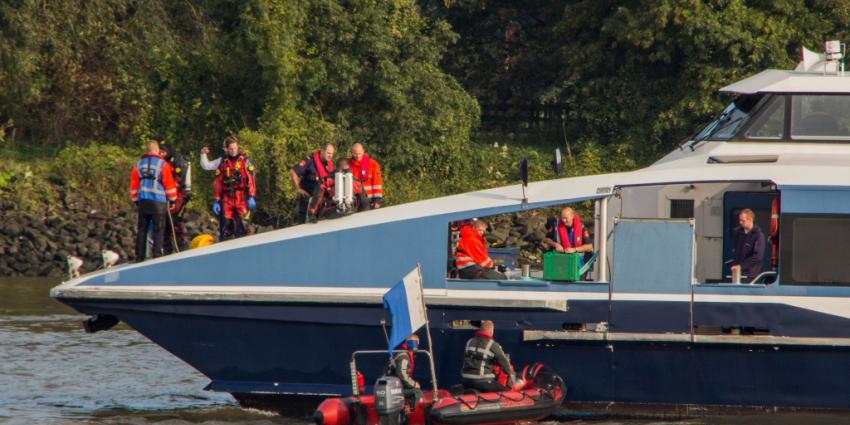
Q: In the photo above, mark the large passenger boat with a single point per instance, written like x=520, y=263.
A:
x=657, y=321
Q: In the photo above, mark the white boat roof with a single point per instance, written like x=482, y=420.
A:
x=780, y=81
x=794, y=165
x=824, y=166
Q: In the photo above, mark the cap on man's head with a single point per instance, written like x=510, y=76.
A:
x=487, y=325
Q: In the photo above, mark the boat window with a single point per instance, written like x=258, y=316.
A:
x=814, y=249
x=518, y=250
x=733, y=118
x=771, y=124
x=820, y=117
x=681, y=208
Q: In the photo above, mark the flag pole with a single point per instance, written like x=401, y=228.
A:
x=428, y=333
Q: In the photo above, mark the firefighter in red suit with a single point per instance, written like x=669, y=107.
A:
x=471, y=257
x=175, y=230
x=235, y=190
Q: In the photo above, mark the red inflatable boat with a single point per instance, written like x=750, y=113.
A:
x=542, y=395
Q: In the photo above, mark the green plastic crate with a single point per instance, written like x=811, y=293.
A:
x=560, y=266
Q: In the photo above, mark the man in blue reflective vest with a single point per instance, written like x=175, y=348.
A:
x=152, y=187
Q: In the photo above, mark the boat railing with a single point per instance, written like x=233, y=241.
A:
x=354, y=384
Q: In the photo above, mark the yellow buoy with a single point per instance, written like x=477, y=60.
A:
x=204, y=239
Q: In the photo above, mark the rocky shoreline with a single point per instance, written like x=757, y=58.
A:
x=525, y=230
x=33, y=245
x=37, y=243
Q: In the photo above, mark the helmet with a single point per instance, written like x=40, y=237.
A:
x=204, y=239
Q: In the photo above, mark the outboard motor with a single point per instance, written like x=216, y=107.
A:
x=389, y=401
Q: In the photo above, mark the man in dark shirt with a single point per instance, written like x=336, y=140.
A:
x=309, y=176
x=749, y=246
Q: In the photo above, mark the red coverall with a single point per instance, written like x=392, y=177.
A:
x=234, y=184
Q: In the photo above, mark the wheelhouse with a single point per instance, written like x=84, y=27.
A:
x=784, y=106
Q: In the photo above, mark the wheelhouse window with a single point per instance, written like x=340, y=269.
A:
x=770, y=125
x=814, y=249
x=820, y=117
x=733, y=118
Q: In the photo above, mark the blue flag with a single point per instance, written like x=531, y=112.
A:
x=407, y=307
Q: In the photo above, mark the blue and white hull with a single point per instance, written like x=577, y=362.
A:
x=276, y=348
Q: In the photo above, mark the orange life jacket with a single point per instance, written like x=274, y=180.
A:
x=369, y=172
x=472, y=249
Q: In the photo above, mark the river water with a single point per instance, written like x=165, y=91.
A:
x=51, y=372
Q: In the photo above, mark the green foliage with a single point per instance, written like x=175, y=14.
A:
x=619, y=83
x=99, y=173
x=286, y=74
x=627, y=79
x=12, y=175
x=24, y=181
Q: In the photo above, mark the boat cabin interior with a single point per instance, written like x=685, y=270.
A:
x=683, y=233
x=706, y=214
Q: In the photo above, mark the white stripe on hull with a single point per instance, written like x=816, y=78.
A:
x=836, y=306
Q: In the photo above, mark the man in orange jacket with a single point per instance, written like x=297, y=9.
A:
x=471, y=257
x=369, y=172
x=152, y=187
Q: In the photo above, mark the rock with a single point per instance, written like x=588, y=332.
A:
x=12, y=229
x=94, y=248
x=71, y=228
x=61, y=255
x=536, y=236
x=53, y=222
x=498, y=235
x=31, y=234
x=18, y=266
x=56, y=271
x=45, y=269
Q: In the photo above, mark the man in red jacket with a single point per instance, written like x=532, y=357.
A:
x=471, y=257
x=235, y=190
x=368, y=171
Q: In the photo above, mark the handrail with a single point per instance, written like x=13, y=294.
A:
x=353, y=365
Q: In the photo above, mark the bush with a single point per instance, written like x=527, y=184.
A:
x=100, y=174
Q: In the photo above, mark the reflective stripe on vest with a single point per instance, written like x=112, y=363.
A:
x=463, y=261
x=483, y=355
x=149, y=169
